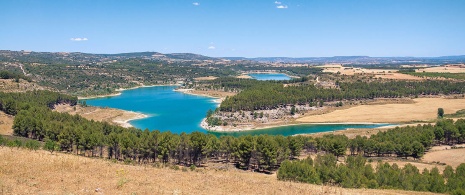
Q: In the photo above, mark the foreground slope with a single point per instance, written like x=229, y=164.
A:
x=39, y=172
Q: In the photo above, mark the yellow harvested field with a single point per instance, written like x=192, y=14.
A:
x=398, y=76
x=453, y=69
x=424, y=109
x=452, y=157
x=39, y=172
x=351, y=71
x=209, y=78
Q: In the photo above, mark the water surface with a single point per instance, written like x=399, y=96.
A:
x=167, y=109
x=299, y=129
x=179, y=112
x=270, y=76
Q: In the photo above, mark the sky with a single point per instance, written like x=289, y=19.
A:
x=237, y=28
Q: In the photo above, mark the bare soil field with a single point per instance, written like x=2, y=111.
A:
x=424, y=109
x=443, y=69
x=6, y=124
x=39, y=172
x=114, y=116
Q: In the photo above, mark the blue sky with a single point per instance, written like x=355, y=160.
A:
x=248, y=28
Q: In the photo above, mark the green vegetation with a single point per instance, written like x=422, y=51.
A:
x=459, y=113
x=356, y=173
x=440, y=112
x=11, y=75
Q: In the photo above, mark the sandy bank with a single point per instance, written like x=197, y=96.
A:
x=111, y=115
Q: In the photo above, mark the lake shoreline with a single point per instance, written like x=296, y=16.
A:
x=228, y=129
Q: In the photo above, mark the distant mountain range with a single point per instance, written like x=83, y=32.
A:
x=356, y=59
x=360, y=60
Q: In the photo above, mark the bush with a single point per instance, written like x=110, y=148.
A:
x=32, y=145
x=192, y=167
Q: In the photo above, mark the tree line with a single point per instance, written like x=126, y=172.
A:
x=357, y=173
x=258, y=95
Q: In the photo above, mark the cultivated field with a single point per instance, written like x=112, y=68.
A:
x=424, y=109
x=39, y=172
x=397, y=76
x=351, y=71
x=446, y=69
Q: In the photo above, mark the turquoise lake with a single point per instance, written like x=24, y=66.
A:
x=269, y=76
x=179, y=112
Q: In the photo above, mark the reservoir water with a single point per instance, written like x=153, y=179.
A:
x=179, y=112
x=269, y=76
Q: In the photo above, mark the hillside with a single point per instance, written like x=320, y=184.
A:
x=44, y=173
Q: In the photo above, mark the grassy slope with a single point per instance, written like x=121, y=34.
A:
x=39, y=172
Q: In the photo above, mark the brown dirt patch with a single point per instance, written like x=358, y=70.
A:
x=424, y=109
x=6, y=124
x=70, y=174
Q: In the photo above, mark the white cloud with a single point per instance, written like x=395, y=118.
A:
x=277, y=2
x=196, y=3
x=281, y=6
x=79, y=39
x=212, y=47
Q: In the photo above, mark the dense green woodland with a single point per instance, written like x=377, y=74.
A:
x=265, y=95
x=357, y=173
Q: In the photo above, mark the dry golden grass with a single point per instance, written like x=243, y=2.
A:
x=6, y=124
x=351, y=71
x=209, y=78
x=39, y=172
x=452, y=157
x=442, y=69
x=398, y=76
x=424, y=109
